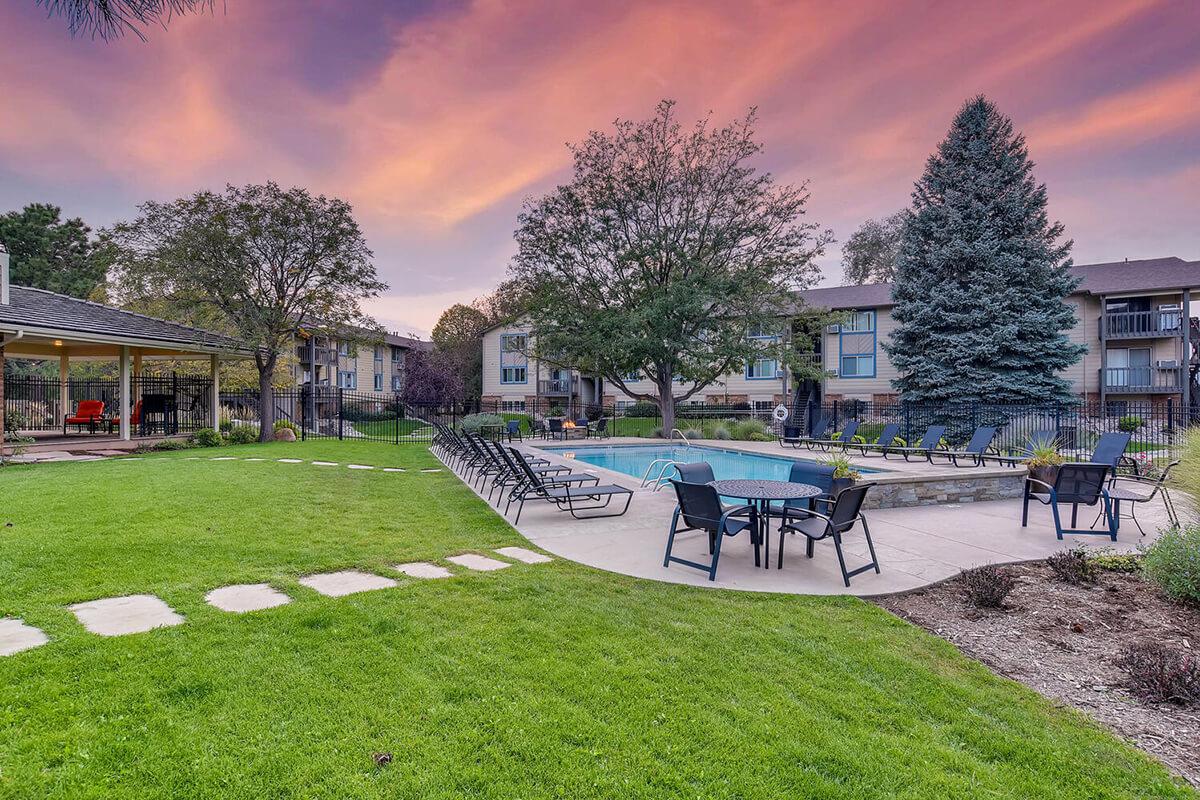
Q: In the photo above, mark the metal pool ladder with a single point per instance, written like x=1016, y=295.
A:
x=664, y=464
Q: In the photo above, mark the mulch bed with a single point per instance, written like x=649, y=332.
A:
x=1062, y=640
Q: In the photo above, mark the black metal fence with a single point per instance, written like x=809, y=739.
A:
x=1157, y=429
x=172, y=403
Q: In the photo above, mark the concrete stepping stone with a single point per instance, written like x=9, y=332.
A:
x=423, y=569
x=526, y=556
x=223, y=458
x=434, y=469
x=117, y=616
x=324, y=463
x=253, y=459
x=358, y=466
x=350, y=581
x=394, y=469
x=16, y=636
x=291, y=461
x=478, y=563
x=244, y=597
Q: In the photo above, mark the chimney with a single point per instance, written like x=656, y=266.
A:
x=3, y=275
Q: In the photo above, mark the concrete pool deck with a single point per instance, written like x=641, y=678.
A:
x=916, y=546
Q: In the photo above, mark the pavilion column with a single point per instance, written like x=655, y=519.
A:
x=123, y=400
x=64, y=386
x=214, y=368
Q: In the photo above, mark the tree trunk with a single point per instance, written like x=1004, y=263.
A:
x=266, y=399
x=666, y=407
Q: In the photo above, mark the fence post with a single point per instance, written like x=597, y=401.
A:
x=304, y=420
x=341, y=408
x=399, y=416
x=1170, y=415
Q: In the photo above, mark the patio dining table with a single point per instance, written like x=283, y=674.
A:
x=760, y=494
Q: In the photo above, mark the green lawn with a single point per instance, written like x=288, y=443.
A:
x=546, y=681
x=389, y=428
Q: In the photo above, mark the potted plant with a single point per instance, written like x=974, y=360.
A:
x=1043, y=462
x=844, y=473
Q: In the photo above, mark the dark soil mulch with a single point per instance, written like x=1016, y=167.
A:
x=1063, y=641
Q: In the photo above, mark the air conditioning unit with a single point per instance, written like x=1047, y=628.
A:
x=834, y=328
x=1166, y=364
x=832, y=372
x=779, y=373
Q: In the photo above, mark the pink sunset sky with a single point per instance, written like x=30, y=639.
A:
x=436, y=119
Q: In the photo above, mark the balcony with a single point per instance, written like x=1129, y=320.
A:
x=812, y=360
x=563, y=386
x=1143, y=380
x=1141, y=324
x=302, y=353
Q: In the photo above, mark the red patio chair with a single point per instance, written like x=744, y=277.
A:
x=88, y=412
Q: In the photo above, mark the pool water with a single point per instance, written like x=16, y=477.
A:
x=726, y=464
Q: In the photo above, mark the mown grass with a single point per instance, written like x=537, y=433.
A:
x=535, y=681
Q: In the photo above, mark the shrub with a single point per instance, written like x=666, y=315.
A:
x=657, y=432
x=593, y=412
x=226, y=425
x=693, y=433
x=1173, y=562
x=987, y=586
x=243, y=434
x=556, y=411
x=171, y=444
x=642, y=410
x=721, y=432
x=280, y=424
x=843, y=467
x=1161, y=674
x=474, y=422
x=1130, y=424
x=1072, y=566
x=1116, y=562
x=747, y=429
x=207, y=437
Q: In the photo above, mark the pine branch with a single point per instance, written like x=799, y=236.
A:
x=111, y=19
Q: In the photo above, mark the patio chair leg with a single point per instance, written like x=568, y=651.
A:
x=671, y=539
x=1025, y=509
x=870, y=544
x=837, y=545
x=1074, y=515
x=1057, y=521
x=1170, y=506
x=808, y=548
x=712, y=573
x=780, y=564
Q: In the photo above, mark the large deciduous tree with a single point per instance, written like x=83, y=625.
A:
x=660, y=256
x=431, y=378
x=457, y=335
x=51, y=253
x=256, y=260
x=869, y=255
x=983, y=274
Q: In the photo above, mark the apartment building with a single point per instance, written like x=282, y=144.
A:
x=377, y=367
x=1135, y=317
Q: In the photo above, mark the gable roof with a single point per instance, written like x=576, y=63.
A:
x=38, y=308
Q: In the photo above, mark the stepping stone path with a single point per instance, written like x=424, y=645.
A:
x=358, y=466
x=245, y=597
x=16, y=636
x=478, y=562
x=422, y=569
x=526, y=556
x=117, y=616
x=340, y=584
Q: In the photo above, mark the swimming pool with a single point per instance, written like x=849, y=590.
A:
x=727, y=464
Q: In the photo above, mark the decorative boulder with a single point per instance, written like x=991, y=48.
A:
x=285, y=435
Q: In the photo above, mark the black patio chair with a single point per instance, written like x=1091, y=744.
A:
x=700, y=509
x=554, y=429
x=1078, y=484
x=930, y=441
x=1110, y=450
x=844, y=513
x=599, y=430
x=568, y=498
x=887, y=438
x=975, y=451
x=1132, y=489
x=849, y=431
x=697, y=472
x=819, y=475
x=513, y=429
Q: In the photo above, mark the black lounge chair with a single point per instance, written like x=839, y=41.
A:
x=512, y=476
x=930, y=442
x=844, y=513
x=820, y=432
x=849, y=431
x=976, y=450
x=791, y=434
x=700, y=509
x=887, y=438
x=568, y=498
x=795, y=436
x=1132, y=489
x=1077, y=484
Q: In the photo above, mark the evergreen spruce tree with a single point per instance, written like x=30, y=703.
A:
x=982, y=277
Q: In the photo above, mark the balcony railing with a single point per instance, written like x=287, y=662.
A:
x=558, y=385
x=1141, y=324
x=1142, y=380
x=302, y=352
x=808, y=360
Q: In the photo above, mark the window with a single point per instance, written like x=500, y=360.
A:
x=630, y=377
x=378, y=355
x=514, y=362
x=760, y=332
x=764, y=405
x=397, y=355
x=512, y=406
x=856, y=346
x=397, y=383
x=379, y=381
x=858, y=366
x=343, y=348
x=761, y=369
x=348, y=379
x=860, y=322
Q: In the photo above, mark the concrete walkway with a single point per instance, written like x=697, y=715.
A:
x=916, y=546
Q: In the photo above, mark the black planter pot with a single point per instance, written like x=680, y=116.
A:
x=839, y=484
x=1047, y=474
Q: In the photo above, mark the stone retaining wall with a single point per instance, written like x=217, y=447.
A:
x=935, y=491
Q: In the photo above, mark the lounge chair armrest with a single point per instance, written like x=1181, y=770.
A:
x=1041, y=483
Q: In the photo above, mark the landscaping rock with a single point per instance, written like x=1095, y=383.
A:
x=285, y=435
x=118, y=616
